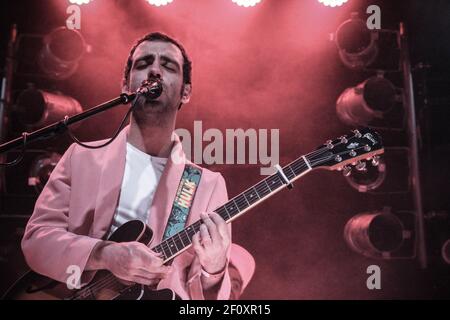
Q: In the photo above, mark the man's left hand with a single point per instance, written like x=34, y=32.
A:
x=212, y=242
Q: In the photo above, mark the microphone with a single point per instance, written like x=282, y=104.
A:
x=151, y=89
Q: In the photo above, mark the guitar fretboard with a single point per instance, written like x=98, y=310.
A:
x=236, y=206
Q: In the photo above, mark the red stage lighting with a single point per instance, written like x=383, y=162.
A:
x=333, y=3
x=159, y=2
x=246, y=3
x=79, y=2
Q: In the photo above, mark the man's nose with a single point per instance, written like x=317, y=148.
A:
x=154, y=71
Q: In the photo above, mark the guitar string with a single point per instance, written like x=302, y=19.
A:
x=295, y=166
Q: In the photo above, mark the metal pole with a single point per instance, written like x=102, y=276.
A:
x=414, y=148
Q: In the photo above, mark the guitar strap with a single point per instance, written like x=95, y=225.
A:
x=184, y=198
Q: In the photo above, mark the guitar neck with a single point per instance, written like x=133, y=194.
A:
x=235, y=207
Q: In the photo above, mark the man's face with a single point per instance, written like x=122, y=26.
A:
x=159, y=59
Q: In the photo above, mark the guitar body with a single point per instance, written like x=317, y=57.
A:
x=33, y=286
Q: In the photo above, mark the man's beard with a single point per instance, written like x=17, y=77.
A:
x=144, y=103
x=150, y=112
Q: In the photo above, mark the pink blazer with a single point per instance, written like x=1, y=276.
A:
x=76, y=208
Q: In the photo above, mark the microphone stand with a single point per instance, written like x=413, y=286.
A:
x=61, y=126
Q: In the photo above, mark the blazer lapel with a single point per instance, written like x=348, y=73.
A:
x=110, y=183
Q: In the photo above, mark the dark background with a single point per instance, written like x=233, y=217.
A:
x=267, y=67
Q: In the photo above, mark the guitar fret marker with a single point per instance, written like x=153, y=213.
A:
x=174, y=243
x=168, y=247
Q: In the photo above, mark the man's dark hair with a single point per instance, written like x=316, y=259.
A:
x=157, y=36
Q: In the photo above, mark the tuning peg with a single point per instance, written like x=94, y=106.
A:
x=346, y=171
x=360, y=166
x=357, y=133
x=375, y=161
x=329, y=144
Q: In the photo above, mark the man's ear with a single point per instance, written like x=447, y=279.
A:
x=125, y=89
x=186, y=94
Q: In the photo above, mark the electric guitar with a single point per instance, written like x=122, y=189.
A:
x=338, y=154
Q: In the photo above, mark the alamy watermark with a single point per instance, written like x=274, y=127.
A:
x=374, y=20
x=374, y=280
x=234, y=146
x=74, y=279
x=74, y=20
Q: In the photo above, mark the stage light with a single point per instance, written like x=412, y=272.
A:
x=374, y=234
x=80, y=2
x=333, y=3
x=246, y=3
x=446, y=251
x=62, y=50
x=41, y=168
x=38, y=108
x=159, y=2
x=357, y=44
x=368, y=175
x=371, y=99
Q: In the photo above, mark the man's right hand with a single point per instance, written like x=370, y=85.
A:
x=129, y=261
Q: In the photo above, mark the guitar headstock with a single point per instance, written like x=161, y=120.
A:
x=361, y=144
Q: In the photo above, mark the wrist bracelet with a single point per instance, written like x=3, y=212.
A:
x=213, y=275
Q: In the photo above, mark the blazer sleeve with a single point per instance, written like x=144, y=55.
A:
x=219, y=197
x=48, y=246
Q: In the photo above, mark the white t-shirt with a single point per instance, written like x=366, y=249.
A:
x=140, y=179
